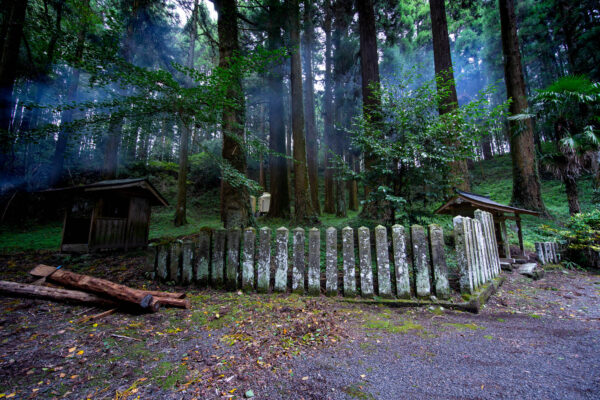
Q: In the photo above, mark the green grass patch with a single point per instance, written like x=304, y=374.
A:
x=463, y=327
x=391, y=327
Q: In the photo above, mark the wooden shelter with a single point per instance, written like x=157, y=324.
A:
x=105, y=215
x=465, y=204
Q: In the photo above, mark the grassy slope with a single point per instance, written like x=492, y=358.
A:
x=491, y=178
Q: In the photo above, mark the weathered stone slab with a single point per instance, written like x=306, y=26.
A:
x=462, y=254
x=548, y=252
x=331, y=278
x=474, y=249
x=150, y=262
x=233, y=259
x=401, y=265
x=539, y=250
x=162, y=262
x=218, y=258
x=248, y=259
x=420, y=261
x=202, y=264
x=281, y=259
x=349, y=262
x=298, y=265
x=263, y=269
x=438, y=262
x=485, y=244
x=485, y=272
x=175, y=261
x=365, y=262
x=314, y=262
x=495, y=252
x=187, y=260
x=383, y=262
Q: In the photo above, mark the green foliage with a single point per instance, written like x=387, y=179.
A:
x=582, y=231
x=412, y=146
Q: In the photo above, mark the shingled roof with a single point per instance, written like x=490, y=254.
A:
x=478, y=201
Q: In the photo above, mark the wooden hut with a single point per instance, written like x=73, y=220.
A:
x=465, y=204
x=108, y=215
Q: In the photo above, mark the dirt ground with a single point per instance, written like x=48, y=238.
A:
x=534, y=339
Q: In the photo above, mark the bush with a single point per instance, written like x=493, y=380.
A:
x=582, y=238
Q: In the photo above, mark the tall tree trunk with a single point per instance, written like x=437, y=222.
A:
x=486, y=147
x=369, y=67
x=303, y=210
x=328, y=135
x=445, y=79
x=184, y=127
x=235, y=202
x=67, y=115
x=572, y=195
x=526, y=182
x=353, y=202
x=309, y=108
x=8, y=73
x=278, y=165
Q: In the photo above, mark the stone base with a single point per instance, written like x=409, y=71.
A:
x=476, y=300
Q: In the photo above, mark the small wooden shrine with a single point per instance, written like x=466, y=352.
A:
x=108, y=215
x=465, y=204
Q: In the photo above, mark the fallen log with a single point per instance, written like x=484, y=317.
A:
x=170, y=295
x=179, y=303
x=43, y=292
x=97, y=285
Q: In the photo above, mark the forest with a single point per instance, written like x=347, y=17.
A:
x=344, y=111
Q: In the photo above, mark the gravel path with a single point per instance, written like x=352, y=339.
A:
x=535, y=340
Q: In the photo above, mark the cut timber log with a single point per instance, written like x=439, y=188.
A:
x=49, y=293
x=170, y=295
x=171, y=302
x=98, y=286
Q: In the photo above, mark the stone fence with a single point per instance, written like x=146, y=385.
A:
x=408, y=265
x=547, y=252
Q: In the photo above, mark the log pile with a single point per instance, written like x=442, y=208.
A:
x=86, y=289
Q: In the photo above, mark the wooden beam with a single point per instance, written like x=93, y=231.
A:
x=520, y=233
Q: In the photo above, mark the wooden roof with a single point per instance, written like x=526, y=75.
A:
x=464, y=200
x=140, y=186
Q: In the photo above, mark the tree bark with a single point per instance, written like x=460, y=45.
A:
x=309, y=108
x=572, y=195
x=445, y=79
x=278, y=165
x=8, y=73
x=329, y=206
x=184, y=126
x=303, y=210
x=486, y=148
x=353, y=202
x=111, y=147
x=235, y=202
x=43, y=292
x=526, y=182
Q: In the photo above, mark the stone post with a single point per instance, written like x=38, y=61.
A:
x=477, y=276
x=233, y=259
x=161, y=262
x=187, y=260
x=201, y=271
x=248, y=259
x=420, y=261
x=263, y=269
x=298, y=261
x=331, y=273
x=539, y=250
x=401, y=265
x=349, y=262
x=174, y=261
x=281, y=259
x=383, y=262
x=482, y=252
x=218, y=258
x=314, y=262
x=548, y=252
x=150, y=264
x=438, y=262
x=365, y=262
x=462, y=255
x=486, y=245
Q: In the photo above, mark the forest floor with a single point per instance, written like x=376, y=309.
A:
x=534, y=339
